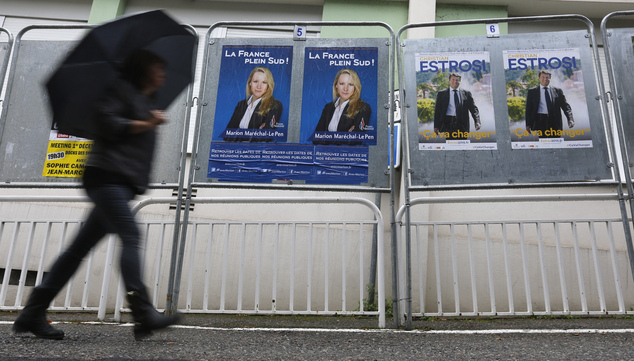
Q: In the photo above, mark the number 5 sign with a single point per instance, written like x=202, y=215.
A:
x=299, y=33
x=493, y=30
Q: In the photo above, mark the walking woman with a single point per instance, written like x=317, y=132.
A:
x=117, y=169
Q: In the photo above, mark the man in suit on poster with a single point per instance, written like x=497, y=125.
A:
x=453, y=105
x=544, y=104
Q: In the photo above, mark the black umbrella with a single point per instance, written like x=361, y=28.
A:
x=95, y=63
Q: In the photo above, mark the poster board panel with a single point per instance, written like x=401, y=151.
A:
x=291, y=141
x=492, y=136
x=32, y=151
x=621, y=49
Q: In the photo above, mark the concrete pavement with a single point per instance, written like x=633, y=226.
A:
x=226, y=337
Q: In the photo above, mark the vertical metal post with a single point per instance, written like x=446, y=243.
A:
x=620, y=132
x=372, y=282
x=178, y=244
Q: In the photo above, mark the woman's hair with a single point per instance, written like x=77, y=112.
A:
x=136, y=65
x=354, y=105
x=267, y=102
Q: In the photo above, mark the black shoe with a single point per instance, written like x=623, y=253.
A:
x=33, y=316
x=40, y=328
x=147, y=318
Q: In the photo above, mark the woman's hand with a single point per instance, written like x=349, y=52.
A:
x=156, y=118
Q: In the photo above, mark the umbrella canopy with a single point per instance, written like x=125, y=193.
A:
x=95, y=63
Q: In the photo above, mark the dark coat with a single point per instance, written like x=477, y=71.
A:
x=256, y=119
x=115, y=151
x=345, y=123
x=467, y=105
x=558, y=103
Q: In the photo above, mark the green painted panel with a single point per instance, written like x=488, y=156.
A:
x=463, y=12
x=391, y=12
x=104, y=10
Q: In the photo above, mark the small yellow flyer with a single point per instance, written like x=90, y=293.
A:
x=66, y=155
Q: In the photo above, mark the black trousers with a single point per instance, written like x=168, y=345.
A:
x=111, y=214
x=546, y=127
x=455, y=129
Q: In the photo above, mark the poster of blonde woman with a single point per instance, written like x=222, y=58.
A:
x=253, y=94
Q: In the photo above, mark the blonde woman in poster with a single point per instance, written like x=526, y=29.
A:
x=259, y=110
x=347, y=112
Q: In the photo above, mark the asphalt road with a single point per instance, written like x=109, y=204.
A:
x=222, y=337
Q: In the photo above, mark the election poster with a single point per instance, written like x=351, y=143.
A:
x=339, y=100
x=546, y=99
x=340, y=85
x=66, y=155
x=253, y=93
x=454, y=101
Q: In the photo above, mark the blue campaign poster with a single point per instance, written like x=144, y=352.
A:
x=327, y=72
x=253, y=93
x=338, y=117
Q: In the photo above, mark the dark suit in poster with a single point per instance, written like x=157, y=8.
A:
x=542, y=124
x=459, y=123
x=346, y=124
x=257, y=121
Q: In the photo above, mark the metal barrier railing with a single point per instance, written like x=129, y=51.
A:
x=377, y=221
x=404, y=271
x=534, y=286
x=544, y=266
x=300, y=266
x=276, y=268
x=202, y=157
x=25, y=260
x=588, y=260
x=5, y=61
x=618, y=108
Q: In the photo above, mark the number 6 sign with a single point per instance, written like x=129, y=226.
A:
x=493, y=30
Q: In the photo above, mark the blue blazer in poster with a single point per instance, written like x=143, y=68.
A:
x=444, y=124
x=324, y=119
x=269, y=120
x=568, y=121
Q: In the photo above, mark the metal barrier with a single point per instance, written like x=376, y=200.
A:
x=32, y=62
x=620, y=98
x=282, y=267
x=303, y=266
x=378, y=178
x=518, y=267
x=4, y=62
x=296, y=235
x=181, y=240
x=450, y=278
